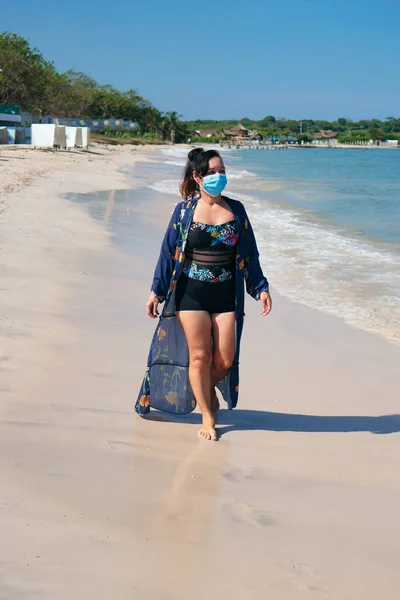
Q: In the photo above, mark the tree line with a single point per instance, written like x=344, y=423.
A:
x=34, y=84
x=305, y=129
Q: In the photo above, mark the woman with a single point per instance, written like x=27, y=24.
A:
x=208, y=253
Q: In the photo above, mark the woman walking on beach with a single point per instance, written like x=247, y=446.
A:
x=208, y=254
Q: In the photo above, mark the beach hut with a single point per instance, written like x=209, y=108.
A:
x=43, y=135
x=207, y=133
x=78, y=139
x=240, y=131
x=70, y=133
x=9, y=114
x=85, y=137
x=60, y=138
x=325, y=137
x=3, y=135
x=20, y=136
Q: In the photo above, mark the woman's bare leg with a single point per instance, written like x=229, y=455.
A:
x=223, y=332
x=197, y=326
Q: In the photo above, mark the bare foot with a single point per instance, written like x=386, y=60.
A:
x=207, y=430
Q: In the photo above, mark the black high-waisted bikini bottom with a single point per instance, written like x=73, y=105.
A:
x=192, y=294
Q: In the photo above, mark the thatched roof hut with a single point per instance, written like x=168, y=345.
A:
x=326, y=134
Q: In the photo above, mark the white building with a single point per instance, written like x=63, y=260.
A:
x=9, y=115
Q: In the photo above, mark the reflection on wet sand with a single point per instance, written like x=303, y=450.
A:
x=181, y=530
x=109, y=206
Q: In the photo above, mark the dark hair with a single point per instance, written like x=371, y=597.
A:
x=198, y=160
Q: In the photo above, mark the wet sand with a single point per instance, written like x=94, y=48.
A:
x=300, y=497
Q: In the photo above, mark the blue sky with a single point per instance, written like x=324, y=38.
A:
x=228, y=58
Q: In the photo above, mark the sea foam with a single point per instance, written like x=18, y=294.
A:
x=313, y=262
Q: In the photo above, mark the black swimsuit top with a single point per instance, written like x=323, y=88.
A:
x=210, y=251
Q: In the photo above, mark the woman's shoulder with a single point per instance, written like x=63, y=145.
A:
x=237, y=207
x=182, y=204
x=181, y=207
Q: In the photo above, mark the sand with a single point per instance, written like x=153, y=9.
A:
x=299, y=499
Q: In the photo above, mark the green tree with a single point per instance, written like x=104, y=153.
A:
x=305, y=137
x=108, y=103
x=375, y=133
x=149, y=119
x=24, y=77
x=57, y=98
x=82, y=90
x=173, y=122
x=340, y=124
x=354, y=136
x=266, y=122
x=391, y=125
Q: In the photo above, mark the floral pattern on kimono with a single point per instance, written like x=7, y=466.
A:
x=166, y=384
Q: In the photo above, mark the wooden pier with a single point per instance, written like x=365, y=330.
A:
x=244, y=146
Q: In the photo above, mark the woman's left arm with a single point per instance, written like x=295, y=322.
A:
x=256, y=283
x=166, y=259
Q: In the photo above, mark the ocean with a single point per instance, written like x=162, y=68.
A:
x=327, y=223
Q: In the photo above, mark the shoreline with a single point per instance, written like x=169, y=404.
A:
x=96, y=499
x=321, y=262
x=36, y=163
x=300, y=146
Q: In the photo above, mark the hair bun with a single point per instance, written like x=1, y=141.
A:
x=195, y=153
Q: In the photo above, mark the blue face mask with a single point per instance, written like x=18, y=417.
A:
x=214, y=184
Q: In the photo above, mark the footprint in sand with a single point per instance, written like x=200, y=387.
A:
x=242, y=512
x=303, y=576
x=244, y=474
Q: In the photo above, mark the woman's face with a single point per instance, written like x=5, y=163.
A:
x=215, y=165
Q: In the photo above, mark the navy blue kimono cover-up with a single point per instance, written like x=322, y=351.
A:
x=166, y=384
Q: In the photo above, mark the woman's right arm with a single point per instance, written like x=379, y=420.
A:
x=165, y=264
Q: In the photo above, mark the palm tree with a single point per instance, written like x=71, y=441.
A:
x=174, y=127
x=173, y=117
